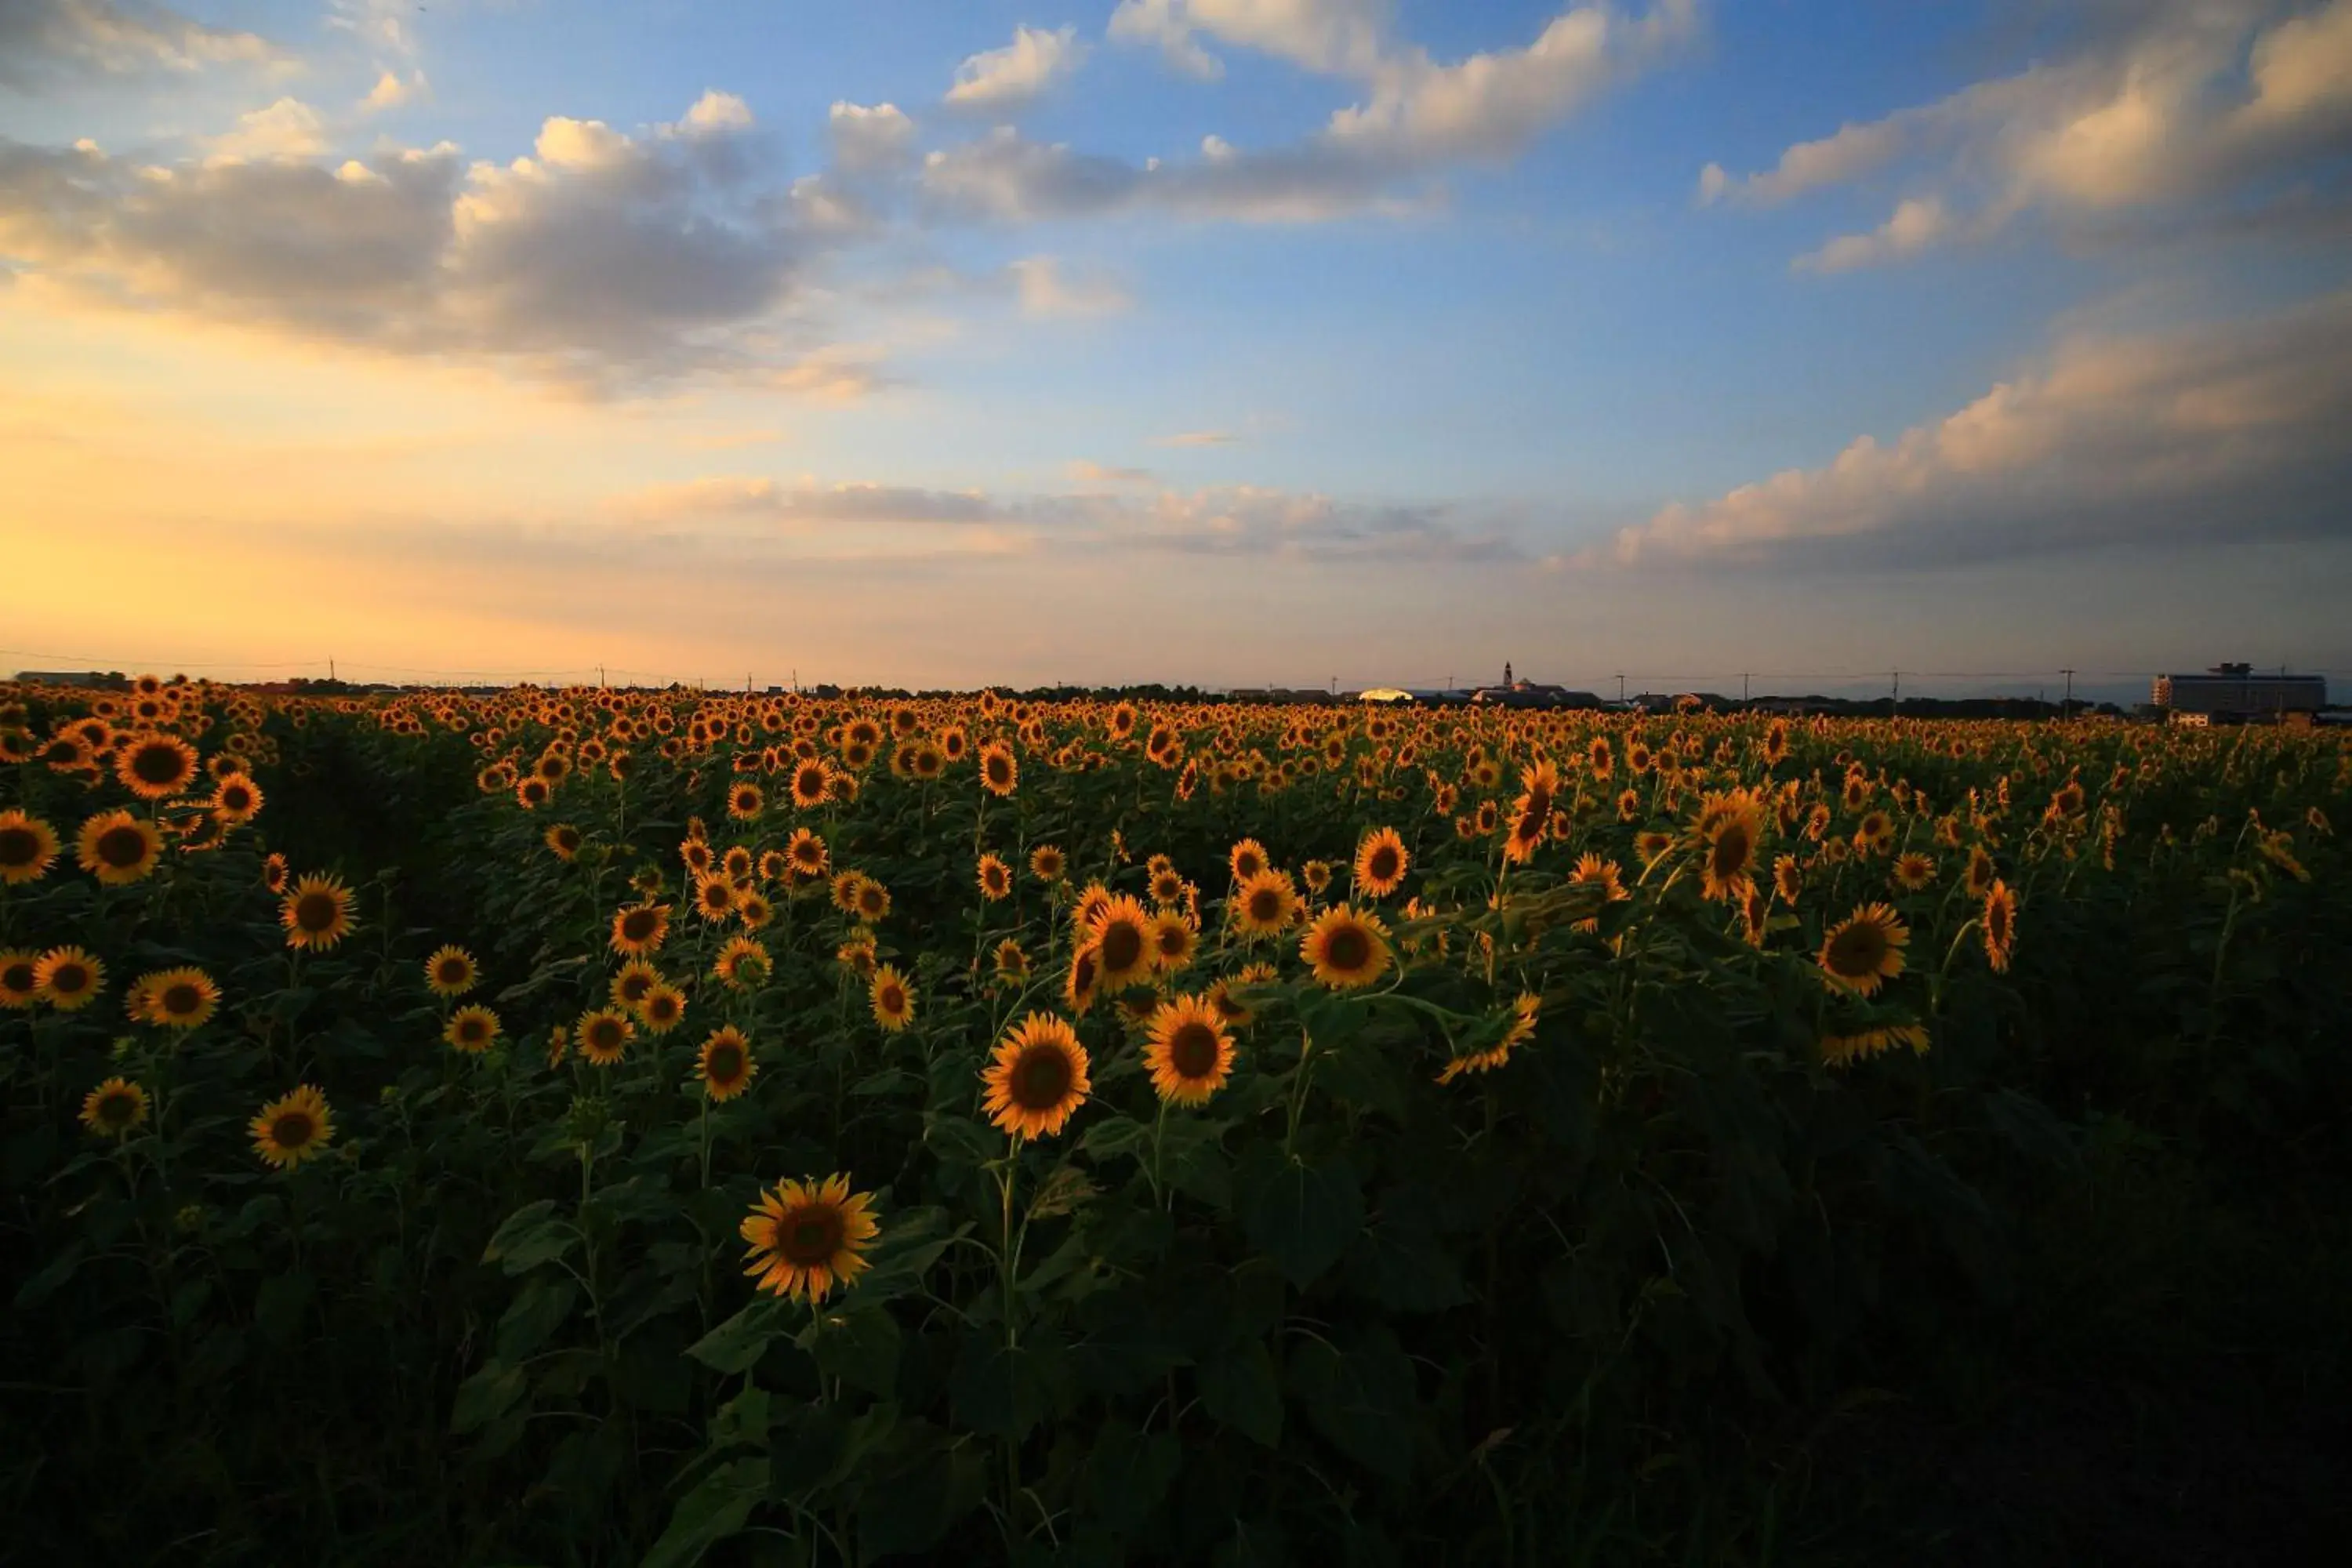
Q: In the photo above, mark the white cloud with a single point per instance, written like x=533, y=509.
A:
x=286, y=129
x=1045, y=290
x=876, y=139
x=2214, y=433
x=43, y=38
x=391, y=92
x=2193, y=102
x=1162, y=25
x=1334, y=36
x=1916, y=225
x=1082, y=472
x=1000, y=81
x=1197, y=438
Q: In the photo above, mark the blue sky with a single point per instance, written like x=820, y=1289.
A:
x=1673, y=336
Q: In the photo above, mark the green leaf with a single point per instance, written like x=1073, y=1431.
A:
x=1361, y=1074
x=1301, y=1216
x=861, y=1348
x=529, y=1236
x=485, y=1396
x=911, y=1241
x=1117, y=1135
x=1361, y=1400
x=959, y=1140
x=1238, y=1389
x=1003, y=1390
x=736, y=1345
x=534, y=1314
x=1127, y=1473
x=716, y=1509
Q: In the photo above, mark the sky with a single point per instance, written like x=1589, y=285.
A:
x=1812, y=344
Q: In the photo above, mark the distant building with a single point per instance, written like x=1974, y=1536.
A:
x=2235, y=691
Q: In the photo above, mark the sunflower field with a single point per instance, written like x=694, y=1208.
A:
x=584, y=1127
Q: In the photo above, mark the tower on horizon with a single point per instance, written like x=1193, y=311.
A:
x=1507, y=675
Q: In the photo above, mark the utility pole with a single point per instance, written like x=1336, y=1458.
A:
x=2066, y=709
x=599, y=677
x=1620, y=689
x=1895, y=698
x=331, y=666
x=1743, y=686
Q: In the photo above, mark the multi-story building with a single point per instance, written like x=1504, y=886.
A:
x=2235, y=690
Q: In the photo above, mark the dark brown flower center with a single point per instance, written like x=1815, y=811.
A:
x=293, y=1130
x=1265, y=906
x=17, y=977
x=1040, y=1078
x=121, y=847
x=159, y=764
x=70, y=980
x=726, y=1063
x=316, y=913
x=1122, y=947
x=812, y=1236
x=1348, y=949
x=119, y=1108
x=1731, y=850
x=1857, y=949
x=893, y=1000
x=182, y=999
x=1192, y=1050
x=1382, y=864
x=18, y=846
x=638, y=925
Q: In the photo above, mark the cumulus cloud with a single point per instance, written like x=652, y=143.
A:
x=286, y=129
x=2193, y=106
x=1417, y=118
x=44, y=40
x=870, y=139
x=603, y=259
x=999, y=81
x=1082, y=472
x=1046, y=290
x=391, y=92
x=1916, y=225
x=2222, y=432
x=1162, y=25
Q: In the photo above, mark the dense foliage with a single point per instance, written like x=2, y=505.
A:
x=379, y=1181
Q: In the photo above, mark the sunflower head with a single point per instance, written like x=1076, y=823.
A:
x=605, y=1034
x=68, y=979
x=1037, y=1077
x=472, y=1030
x=1864, y=950
x=119, y=848
x=1265, y=904
x=725, y=1063
x=808, y=1236
x=640, y=929
x=450, y=972
x=1121, y=934
x=316, y=913
x=1047, y=864
x=177, y=998
x=1380, y=862
x=1189, y=1055
x=28, y=846
x=891, y=998
x=114, y=1108
x=1247, y=859
x=289, y=1130
x=1346, y=948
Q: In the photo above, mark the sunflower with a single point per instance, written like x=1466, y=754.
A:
x=155, y=766
x=1601, y=759
x=533, y=792
x=289, y=1130
x=1875, y=834
x=1597, y=871
x=807, y=855
x=1842, y=1050
x=1230, y=1007
x=1266, y=905
x=725, y=1063
x=995, y=878
x=1730, y=828
x=743, y=963
x=663, y=1009
x=450, y=972
x=1380, y=862
x=1167, y=885
x=714, y=897
x=1864, y=948
x=28, y=845
x=237, y=799
x=1248, y=859
x=1085, y=979
x=1652, y=844
x=119, y=848
x=856, y=954
x=1787, y=879
x=632, y=983
x=808, y=1236
x=811, y=784
x=892, y=998
x=472, y=1030
x=1189, y=1055
x=1123, y=934
x=316, y=913
x=1000, y=771
x=1047, y=864
x=1174, y=939
x=1980, y=874
x=744, y=801
x=1345, y=949
x=177, y=998
x=68, y=979
x=872, y=902
x=640, y=929
x=1012, y=962
x=275, y=873
x=20, y=979
x=114, y=1108
x=1913, y=870
x=605, y=1034
x=1522, y=1026
x=2000, y=925
x=563, y=839
x=1037, y=1077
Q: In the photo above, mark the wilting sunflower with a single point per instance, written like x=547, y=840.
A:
x=640, y=929
x=20, y=979
x=663, y=1009
x=604, y=1034
x=1037, y=1077
x=1842, y=1050
x=1121, y=934
x=1266, y=905
x=316, y=913
x=114, y=1108
x=893, y=1000
x=743, y=963
x=119, y=848
x=1864, y=948
x=1597, y=871
x=291, y=1129
x=563, y=839
x=1047, y=864
x=808, y=1236
x=995, y=878
x=1380, y=862
x=1000, y=772
x=28, y=846
x=725, y=1063
x=155, y=766
x=1012, y=962
x=1229, y=1006
x=1522, y=1026
x=472, y=1030
x=1189, y=1056
x=1731, y=830
x=237, y=799
x=2000, y=925
x=450, y=972
x=177, y=998
x=1248, y=859
x=1345, y=949
x=68, y=979
x=1913, y=870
